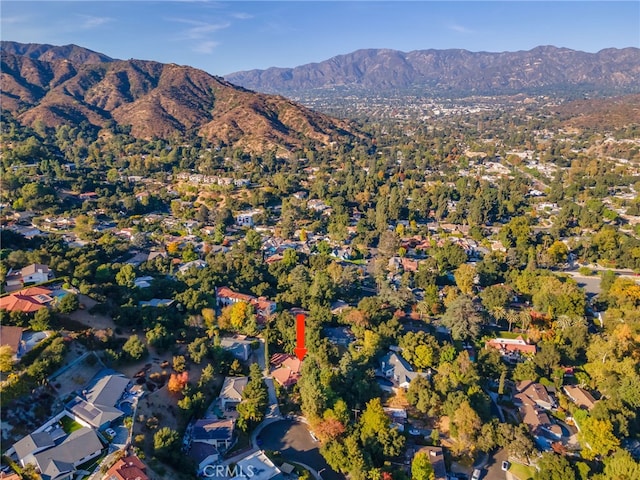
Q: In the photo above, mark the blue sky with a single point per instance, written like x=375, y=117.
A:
x=224, y=37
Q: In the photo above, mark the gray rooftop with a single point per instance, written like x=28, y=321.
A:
x=95, y=415
x=233, y=387
x=108, y=390
x=75, y=447
x=32, y=442
x=208, y=429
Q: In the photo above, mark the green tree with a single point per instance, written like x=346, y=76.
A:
x=559, y=297
x=465, y=276
x=376, y=434
x=621, y=466
x=159, y=337
x=134, y=348
x=255, y=399
x=525, y=371
x=6, y=358
x=467, y=424
x=551, y=466
x=253, y=240
x=198, y=349
x=597, y=437
x=463, y=319
x=557, y=253
x=68, y=304
x=421, y=468
x=126, y=276
x=495, y=296
x=41, y=320
x=179, y=363
x=165, y=442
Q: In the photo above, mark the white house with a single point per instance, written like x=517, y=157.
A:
x=34, y=273
x=245, y=219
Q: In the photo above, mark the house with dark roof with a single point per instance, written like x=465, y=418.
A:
x=33, y=443
x=215, y=432
x=97, y=405
x=532, y=400
x=58, y=461
x=203, y=454
x=537, y=393
x=398, y=370
x=536, y=419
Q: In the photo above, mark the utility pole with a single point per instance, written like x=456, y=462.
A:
x=356, y=411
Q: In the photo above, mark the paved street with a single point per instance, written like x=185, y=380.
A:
x=293, y=440
x=492, y=470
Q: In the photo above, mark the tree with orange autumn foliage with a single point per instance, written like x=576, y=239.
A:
x=177, y=382
x=329, y=429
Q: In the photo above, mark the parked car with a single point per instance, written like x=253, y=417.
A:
x=414, y=431
x=111, y=432
x=476, y=474
x=505, y=466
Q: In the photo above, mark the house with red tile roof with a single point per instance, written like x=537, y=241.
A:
x=127, y=468
x=511, y=345
x=287, y=371
x=263, y=306
x=27, y=300
x=12, y=336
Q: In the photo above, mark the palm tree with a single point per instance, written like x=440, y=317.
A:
x=525, y=319
x=564, y=321
x=499, y=313
x=512, y=316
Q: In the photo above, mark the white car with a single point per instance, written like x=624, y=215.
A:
x=476, y=474
x=505, y=466
x=111, y=432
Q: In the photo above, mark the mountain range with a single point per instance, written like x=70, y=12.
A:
x=456, y=72
x=71, y=84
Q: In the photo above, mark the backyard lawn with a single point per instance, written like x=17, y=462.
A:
x=69, y=425
x=522, y=472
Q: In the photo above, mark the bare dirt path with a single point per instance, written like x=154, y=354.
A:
x=96, y=321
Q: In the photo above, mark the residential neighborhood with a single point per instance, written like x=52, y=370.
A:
x=452, y=293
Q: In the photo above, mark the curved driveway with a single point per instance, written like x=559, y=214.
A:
x=291, y=438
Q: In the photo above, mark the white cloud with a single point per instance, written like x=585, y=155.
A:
x=13, y=20
x=459, y=28
x=242, y=16
x=89, y=21
x=206, y=47
x=199, y=29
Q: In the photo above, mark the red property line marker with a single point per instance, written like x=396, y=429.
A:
x=300, y=351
